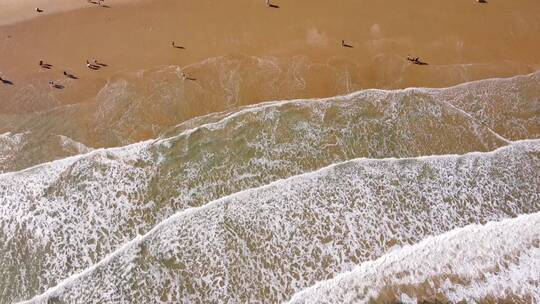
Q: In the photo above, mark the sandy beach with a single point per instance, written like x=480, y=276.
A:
x=459, y=40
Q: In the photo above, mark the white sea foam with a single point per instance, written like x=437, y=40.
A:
x=497, y=261
x=267, y=243
x=69, y=214
x=22, y=150
x=509, y=106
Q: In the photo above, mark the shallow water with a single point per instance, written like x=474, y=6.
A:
x=264, y=244
x=497, y=262
x=256, y=203
x=140, y=105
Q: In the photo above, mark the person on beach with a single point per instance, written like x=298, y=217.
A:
x=38, y=10
x=51, y=83
x=413, y=59
x=41, y=63
x=345, y=45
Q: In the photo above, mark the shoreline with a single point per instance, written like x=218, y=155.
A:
x=136, y=35
x=293, y=52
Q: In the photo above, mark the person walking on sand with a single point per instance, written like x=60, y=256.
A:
x=41, y=63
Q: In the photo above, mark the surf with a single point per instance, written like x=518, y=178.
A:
x=497, y=261
x=297, y=231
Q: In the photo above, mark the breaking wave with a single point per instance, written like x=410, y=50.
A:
x=492, y=263
x=257, y=203
x=265, y=244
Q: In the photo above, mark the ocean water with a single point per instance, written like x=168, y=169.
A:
x=258, y=203
x=496, y=262
x=23, y=150
x=141, y=105
x=263, y=244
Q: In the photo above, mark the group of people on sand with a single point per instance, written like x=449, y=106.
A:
x=415, y=60
x=98, y=2
x=94, y=65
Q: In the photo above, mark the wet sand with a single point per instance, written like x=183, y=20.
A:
x=460, y=40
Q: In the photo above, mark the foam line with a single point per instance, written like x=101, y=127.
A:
x=470, y=252
x=279, y=184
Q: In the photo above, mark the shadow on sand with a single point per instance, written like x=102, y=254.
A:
x=71, y=76
x=5, y=81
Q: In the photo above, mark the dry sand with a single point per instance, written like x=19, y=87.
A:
x=13, y=11
x=460, y=39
